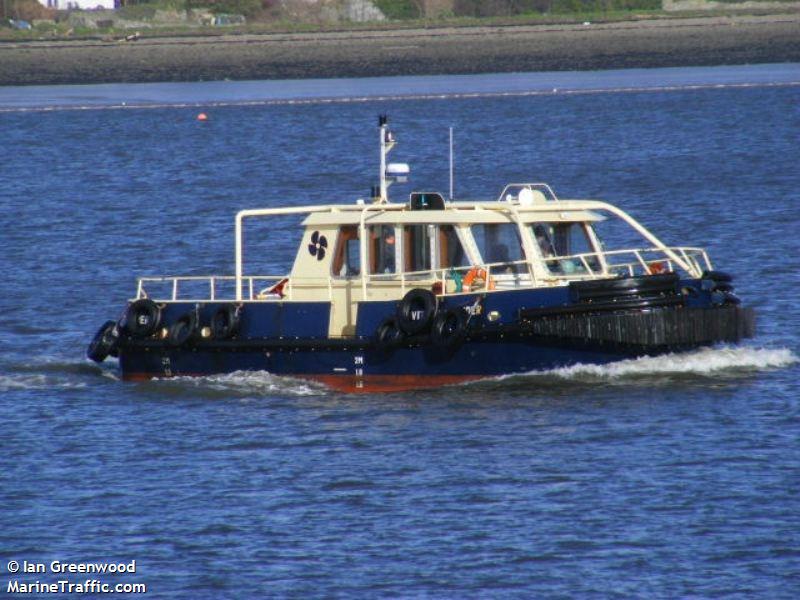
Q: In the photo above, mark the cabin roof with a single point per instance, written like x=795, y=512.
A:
x=566, y=211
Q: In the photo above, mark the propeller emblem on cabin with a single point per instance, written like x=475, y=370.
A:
x=318, y=245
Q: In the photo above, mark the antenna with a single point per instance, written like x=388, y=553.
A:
x=451, y=164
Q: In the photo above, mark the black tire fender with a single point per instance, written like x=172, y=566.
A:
x=717, y=276
x=226, y=321
x=449, y=327
x=185, y=330
x=602, y=289
x=415, y=311
x=388, y=335
x=142, y=318
x=717, y=281
x=105, y=342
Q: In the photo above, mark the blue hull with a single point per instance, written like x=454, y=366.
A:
x=515, y=331
x=367, y=369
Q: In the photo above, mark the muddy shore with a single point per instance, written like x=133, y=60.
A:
x=644, y=43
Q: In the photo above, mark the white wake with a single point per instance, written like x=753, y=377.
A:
x=248, y=382
x=706, y=361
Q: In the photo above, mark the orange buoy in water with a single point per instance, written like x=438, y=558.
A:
x=202, y=117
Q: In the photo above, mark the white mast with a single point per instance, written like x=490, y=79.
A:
x=385, y=149
x=391, y=172
x=451, y=164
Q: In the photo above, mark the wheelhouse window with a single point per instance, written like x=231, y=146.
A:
x=417, y=244
x=498, y=243
x=564, y=241
x=383, y=250
x=451, y=251
x=347, y=261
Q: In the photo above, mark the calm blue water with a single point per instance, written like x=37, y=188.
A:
x=676, y=477
x=224, y=93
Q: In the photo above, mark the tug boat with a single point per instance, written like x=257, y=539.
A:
x=386, y=296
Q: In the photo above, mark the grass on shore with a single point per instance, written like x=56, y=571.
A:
x=62, y=31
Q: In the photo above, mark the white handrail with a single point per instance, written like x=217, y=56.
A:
x=261, y=212
x=537, y=185
x=690, y=257
x=640, y=259
x=573, y=205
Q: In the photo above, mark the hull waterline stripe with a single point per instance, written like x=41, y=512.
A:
x=351, y=383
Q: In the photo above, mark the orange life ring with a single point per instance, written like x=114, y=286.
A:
x=477, y=273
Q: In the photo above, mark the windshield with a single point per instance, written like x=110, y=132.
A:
x=564, y=241
x=498, y=242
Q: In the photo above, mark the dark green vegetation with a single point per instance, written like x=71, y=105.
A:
x=248, y=8
x=411, y=9
x=399, y=9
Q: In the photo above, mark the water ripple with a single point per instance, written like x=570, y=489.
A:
x=669, y=477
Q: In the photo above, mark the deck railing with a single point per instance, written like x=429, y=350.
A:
x=223, y=287
x=487, y=278
x=640, y=261
x=498, y=276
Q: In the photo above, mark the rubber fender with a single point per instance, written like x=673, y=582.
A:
x=624, y=286
x=388, y=336
x=415, y=311
x=142, y=318
x=717, y=276
x=105, y=342
x=226, y=322
x=186, y=329
x=449, y=327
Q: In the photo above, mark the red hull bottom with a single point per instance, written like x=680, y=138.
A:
x=352, y=384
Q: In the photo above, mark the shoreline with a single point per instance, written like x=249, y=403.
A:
x=701, y=41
